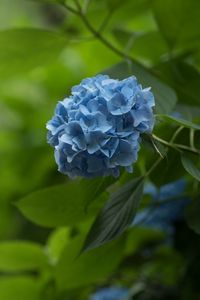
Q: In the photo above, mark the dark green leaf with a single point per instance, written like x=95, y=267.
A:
x=192, y=216
x=65, y=204
x=180, y=121
x=190, y=167
x=179, y=22
x=125, y=38
x=165, y=97
x=116, y=216
x=184, y=79
x=188, y=112
x=24, y=49
x=166, y=170
x=73, y=271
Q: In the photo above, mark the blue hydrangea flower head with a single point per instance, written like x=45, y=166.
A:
x=96, y=130
x=171, y=205
x=111, y=293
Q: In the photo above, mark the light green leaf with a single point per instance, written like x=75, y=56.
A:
x=117, y=214
x=165, y=97
x=24, y=49
x=65, y=204
x=190, y=167
x=179, y=121
x=74, y=271
x=19, y=288
x=21, y=256
x=56, y=242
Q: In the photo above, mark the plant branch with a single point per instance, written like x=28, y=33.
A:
x=177, y=147
x=188, y=149
x=79, y=8
x=96, y=33
x=71, y=9
x=176, y=133
x=192, y=138
x=153, y=166
x=105, y=21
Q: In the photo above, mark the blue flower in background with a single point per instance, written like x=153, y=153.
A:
x=97, y=129
x=111, y=293
x=168, y=204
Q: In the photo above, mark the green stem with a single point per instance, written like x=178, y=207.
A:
x=177, y=147
x=192, y=138
x=153, y=166
x=176, y=133
x=71, y=9
x=188, y=149
x=86, y=6
x=105, y=21
x=168, y=144
x=97, y=34
x=156, y=148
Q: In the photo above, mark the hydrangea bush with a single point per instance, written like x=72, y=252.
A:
x=98, y=232
x=97, y=129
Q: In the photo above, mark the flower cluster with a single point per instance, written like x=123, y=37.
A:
x=97, y=129
x=167, y=207
x=111, y=293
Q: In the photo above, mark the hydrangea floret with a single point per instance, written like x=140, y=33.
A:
x=110, y=293
x=96, y=130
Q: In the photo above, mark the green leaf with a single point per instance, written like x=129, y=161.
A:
x=24, y=49
x=135, y=44
x=179, y=22
x=139, y=236
x=192, y=215
x=50, y=1
x=188, y=112
x=65, y=204
x=190, y=167
x=117, y=214
x=183, y=77
x=19, y=288
x=129, y=9
x=74, y=271
x=165, y=97
x=179, y=121
x=166, y=170
x=56, y=242
x=21, y=256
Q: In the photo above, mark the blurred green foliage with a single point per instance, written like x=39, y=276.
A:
x=44, y=218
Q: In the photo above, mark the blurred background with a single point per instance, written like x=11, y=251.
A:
x=45, y=49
